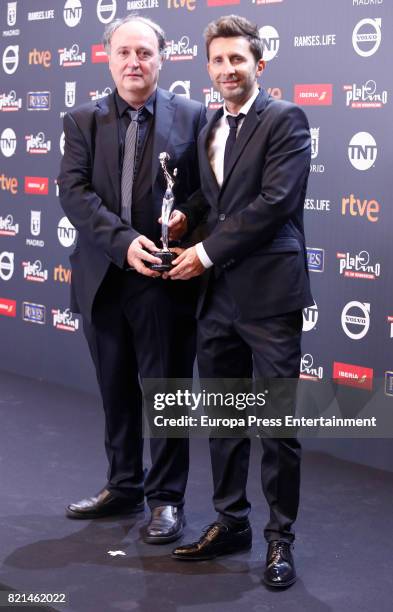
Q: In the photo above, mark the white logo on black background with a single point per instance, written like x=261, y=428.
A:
x=362, y=151
x=6, y=265
x=37, y=144
x=8, y=142
x=106, y=10
x=11, y=59
x=365, y=96
x=310, y=317
x=71, y=57
x=35, y=222
x=355, y=319
x=181, y=88
x=69, y=96
x=8, y=227
x=366, y=37
x=66, y=232
x=270, y=41
x=11, y=13
x=314, y=142
x=72, y=13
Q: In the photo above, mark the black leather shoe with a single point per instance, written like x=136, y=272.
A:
x=103, y=504
x=217, y=539
x=280, y=567
x=166, y=525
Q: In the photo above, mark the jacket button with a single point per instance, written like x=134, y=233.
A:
x=221, y=217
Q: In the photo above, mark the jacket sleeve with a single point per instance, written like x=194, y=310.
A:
x=284, y=176
x=83, y=206
x=196, y=207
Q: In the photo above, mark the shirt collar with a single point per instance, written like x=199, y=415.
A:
x=123, y=106
x=246, y=106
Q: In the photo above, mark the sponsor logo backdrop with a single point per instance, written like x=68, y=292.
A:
x=332, y=58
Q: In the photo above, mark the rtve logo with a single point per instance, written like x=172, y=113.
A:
x=9, y=183
x=62, y=275
x=360, y=208
x=40, y=58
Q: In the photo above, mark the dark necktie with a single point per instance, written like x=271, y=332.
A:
x=230, y=143
x=127, y=175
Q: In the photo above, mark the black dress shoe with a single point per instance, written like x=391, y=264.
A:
x=165, y=525
x=103, y=504
x=280, y=567
x=217, y=539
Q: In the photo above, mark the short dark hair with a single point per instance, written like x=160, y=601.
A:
x=114, y=25
x=234, y=25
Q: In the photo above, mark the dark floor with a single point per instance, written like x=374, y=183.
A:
x=51, y=453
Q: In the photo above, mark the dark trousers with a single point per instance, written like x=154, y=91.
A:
x=231, y=346
x=141, y=329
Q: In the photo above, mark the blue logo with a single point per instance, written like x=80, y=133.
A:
x=33, y=313
x=315, y=259
x=389, y=383
x=38, y=100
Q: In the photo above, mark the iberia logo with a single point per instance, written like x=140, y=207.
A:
x=36, y=185
x=98, y=54
x=320, y=94
x=7, y=307
x=353, y=375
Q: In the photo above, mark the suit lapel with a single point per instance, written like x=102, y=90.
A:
x=205, y=165
x=249, y=126
x=107, y=142
x=163, y=119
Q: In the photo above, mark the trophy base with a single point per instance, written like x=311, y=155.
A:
x=166, y=261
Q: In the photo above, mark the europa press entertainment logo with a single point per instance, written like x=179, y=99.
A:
x=362, y=151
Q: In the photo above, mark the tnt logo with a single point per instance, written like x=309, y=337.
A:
x=270, y=41
x=362, y=151
x=310, y=317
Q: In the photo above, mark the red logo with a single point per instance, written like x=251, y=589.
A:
x=98, y=54
x=353, y=375
x=221, y=2
x=7, y=307
x=36, y=184
x=320, y=94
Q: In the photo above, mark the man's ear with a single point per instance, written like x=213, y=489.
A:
x=260, y=67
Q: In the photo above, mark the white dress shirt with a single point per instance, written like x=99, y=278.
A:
x=215, y=153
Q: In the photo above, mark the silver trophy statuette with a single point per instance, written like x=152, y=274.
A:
x=167, y=206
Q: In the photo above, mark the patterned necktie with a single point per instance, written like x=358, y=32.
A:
x=233, y=123
x=127, y=175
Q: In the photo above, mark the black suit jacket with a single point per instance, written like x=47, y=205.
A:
x=89, y=182
x=255, y=221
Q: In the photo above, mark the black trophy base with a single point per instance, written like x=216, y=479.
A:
x=166, y=261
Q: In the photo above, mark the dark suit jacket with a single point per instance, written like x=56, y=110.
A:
x=89, y=182
x=255, y=222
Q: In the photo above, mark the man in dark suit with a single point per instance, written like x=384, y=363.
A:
x=111, y=188
x=254, y=158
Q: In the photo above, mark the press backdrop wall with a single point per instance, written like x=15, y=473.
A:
x=333, y=58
